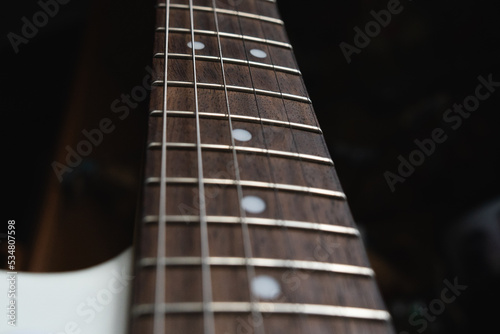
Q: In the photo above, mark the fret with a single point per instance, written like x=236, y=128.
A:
x=251, y=27
x=282, y=308
x=232, y=26
x=308, y=226
x=214, y=147
x=241, y=118
x=228, y=35
x=290, y=290
x=251, y=184
x=227, y=60
x=291, y=323
x=227, y=11
x=217, y=132
x=242, y=78
x=271, y=240
x=264, y=80
x=259, y=7
x=272, y=322
x=260, y=262
x=241, y=89
x=231, y=48
x=259, y=106
x=224, y=201
x=220, y=165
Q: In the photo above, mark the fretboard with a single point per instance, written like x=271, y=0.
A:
x=245, y=227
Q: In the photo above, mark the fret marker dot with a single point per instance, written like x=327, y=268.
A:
x=242, y=135
x=265, y=287
x=197, y=45
x=258, y=53
x=253, y=204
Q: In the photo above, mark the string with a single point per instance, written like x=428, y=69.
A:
x=159, y=315
x=271, y=169
x=208, y=315
x=247, y=244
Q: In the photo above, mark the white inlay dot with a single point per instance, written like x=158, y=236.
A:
x=265, y=287
x=197, y=45
x=242, y=135
x=253, y=204
x=258, y=53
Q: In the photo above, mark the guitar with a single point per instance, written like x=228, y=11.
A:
x=244, y=227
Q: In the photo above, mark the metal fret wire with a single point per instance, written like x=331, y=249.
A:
x=235, y=88
x=208, y=315
x=273, y=308
x=241, y=118
x=253, y=184
x=228, y=60
x=247, y=244
x=230, y=35
x=336, y=268
x=294, y=224
x=159, y=316
x=227, y=12
x=254, y=150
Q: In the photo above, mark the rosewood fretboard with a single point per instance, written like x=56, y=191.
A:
x=245, y=228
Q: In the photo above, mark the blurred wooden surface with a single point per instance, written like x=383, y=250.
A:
x=89, y=215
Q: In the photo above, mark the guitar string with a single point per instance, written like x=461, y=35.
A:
x=264, y=136
x=321, y=234
x=293, y=139
x=279, y=211
x=247, y=243
x=208, y=315
x=289, y=251
x=159, y=316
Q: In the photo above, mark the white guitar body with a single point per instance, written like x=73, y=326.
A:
x=88, y=301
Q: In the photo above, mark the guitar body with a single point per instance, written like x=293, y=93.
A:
x=92, y=300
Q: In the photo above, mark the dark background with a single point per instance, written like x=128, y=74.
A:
x=394, y=91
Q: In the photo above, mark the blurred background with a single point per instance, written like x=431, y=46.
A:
x=438, y=227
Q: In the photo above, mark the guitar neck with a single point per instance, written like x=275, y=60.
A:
x=245, y=227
